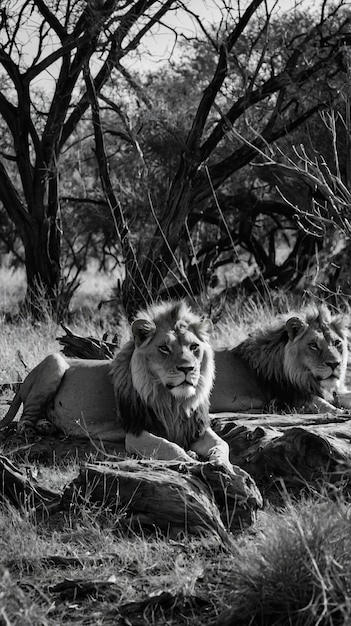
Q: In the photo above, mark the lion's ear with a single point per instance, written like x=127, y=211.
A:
x=142, y=330
x=294, y=326
x=206, y=325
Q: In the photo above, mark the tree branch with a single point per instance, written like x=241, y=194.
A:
x=121, y=225
x=221, y=171
x=290, y=75
x=51, y=19
x=40, y=67
x=216, y=83
x=11, y=200
x=114, y=56
x=19, y=122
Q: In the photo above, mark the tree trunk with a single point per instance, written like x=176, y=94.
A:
x=42, y=245
x=144, y=282
x=24, y=492
x=37, y=220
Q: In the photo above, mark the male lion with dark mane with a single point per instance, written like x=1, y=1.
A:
x=296, y=363
x=154, y=395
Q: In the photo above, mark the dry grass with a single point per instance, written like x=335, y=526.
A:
x=12, y=287
x=126, y=568
x=23, y=344
x=244, y=314
x=292, y=568
x=297, y=570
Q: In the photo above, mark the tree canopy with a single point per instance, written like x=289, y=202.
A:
x=163, y=152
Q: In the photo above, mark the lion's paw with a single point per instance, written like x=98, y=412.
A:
x=192, y=455
x=220, y=460
x=344, y=401
x=26, y=430
x=43, y=427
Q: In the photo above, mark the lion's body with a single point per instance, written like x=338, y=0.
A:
x=236, y=388
x=75, y=395
x=297, y=363
x=94, y=403
x=154, y=395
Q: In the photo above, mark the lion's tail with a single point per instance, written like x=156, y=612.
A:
x=13, y=410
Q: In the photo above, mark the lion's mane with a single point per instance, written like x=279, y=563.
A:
x=277, y=361
x=142, y=402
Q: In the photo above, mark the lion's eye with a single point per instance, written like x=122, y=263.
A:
x=313, y=346
x=164, y=349
x=337, y=343
x=194, y=347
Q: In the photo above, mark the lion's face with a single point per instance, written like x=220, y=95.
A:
x=316, y=350
x=172, y=355
x=175, y=360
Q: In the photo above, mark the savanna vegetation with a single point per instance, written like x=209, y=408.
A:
x=227, y=152
x=217, y=169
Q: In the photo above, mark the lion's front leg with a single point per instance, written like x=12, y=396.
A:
x=344, y=400
x=149, y=446
x=320, y=405
x=212, y=447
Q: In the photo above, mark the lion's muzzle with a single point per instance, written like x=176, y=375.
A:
x=187, y=386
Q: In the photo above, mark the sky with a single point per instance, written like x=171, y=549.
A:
x=158, y=45
x=161, y=42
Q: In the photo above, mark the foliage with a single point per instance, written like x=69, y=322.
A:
x=68, y=39
x=229, y=225
x=175, y=146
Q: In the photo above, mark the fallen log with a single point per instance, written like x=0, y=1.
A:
x=196, y=498
x=79, y=589
x=24, y=492
x=301, y=450
x=192, y=497
x=298, y=449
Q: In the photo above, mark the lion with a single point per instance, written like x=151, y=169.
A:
x=298, y=363
x=154, y=395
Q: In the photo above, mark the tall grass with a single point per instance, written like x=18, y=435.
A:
x=23, y=343
x=297, y=570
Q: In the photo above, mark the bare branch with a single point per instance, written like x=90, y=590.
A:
x=51, y=19
x=114, y=205
x=12, y=70
x=248, y=151
x=216, y=83
x=40, y=67
x=114, y=56
x=11, y=199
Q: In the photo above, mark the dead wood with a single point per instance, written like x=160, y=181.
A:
x=165, y=599
x=24, y=492
x=68, y=561
x=300, y=449
x=195, y=497
x=79, y=589
x=80, y=347
x=143, y=611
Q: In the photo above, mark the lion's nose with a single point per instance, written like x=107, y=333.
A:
x=333, y=364
x=185, y=368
